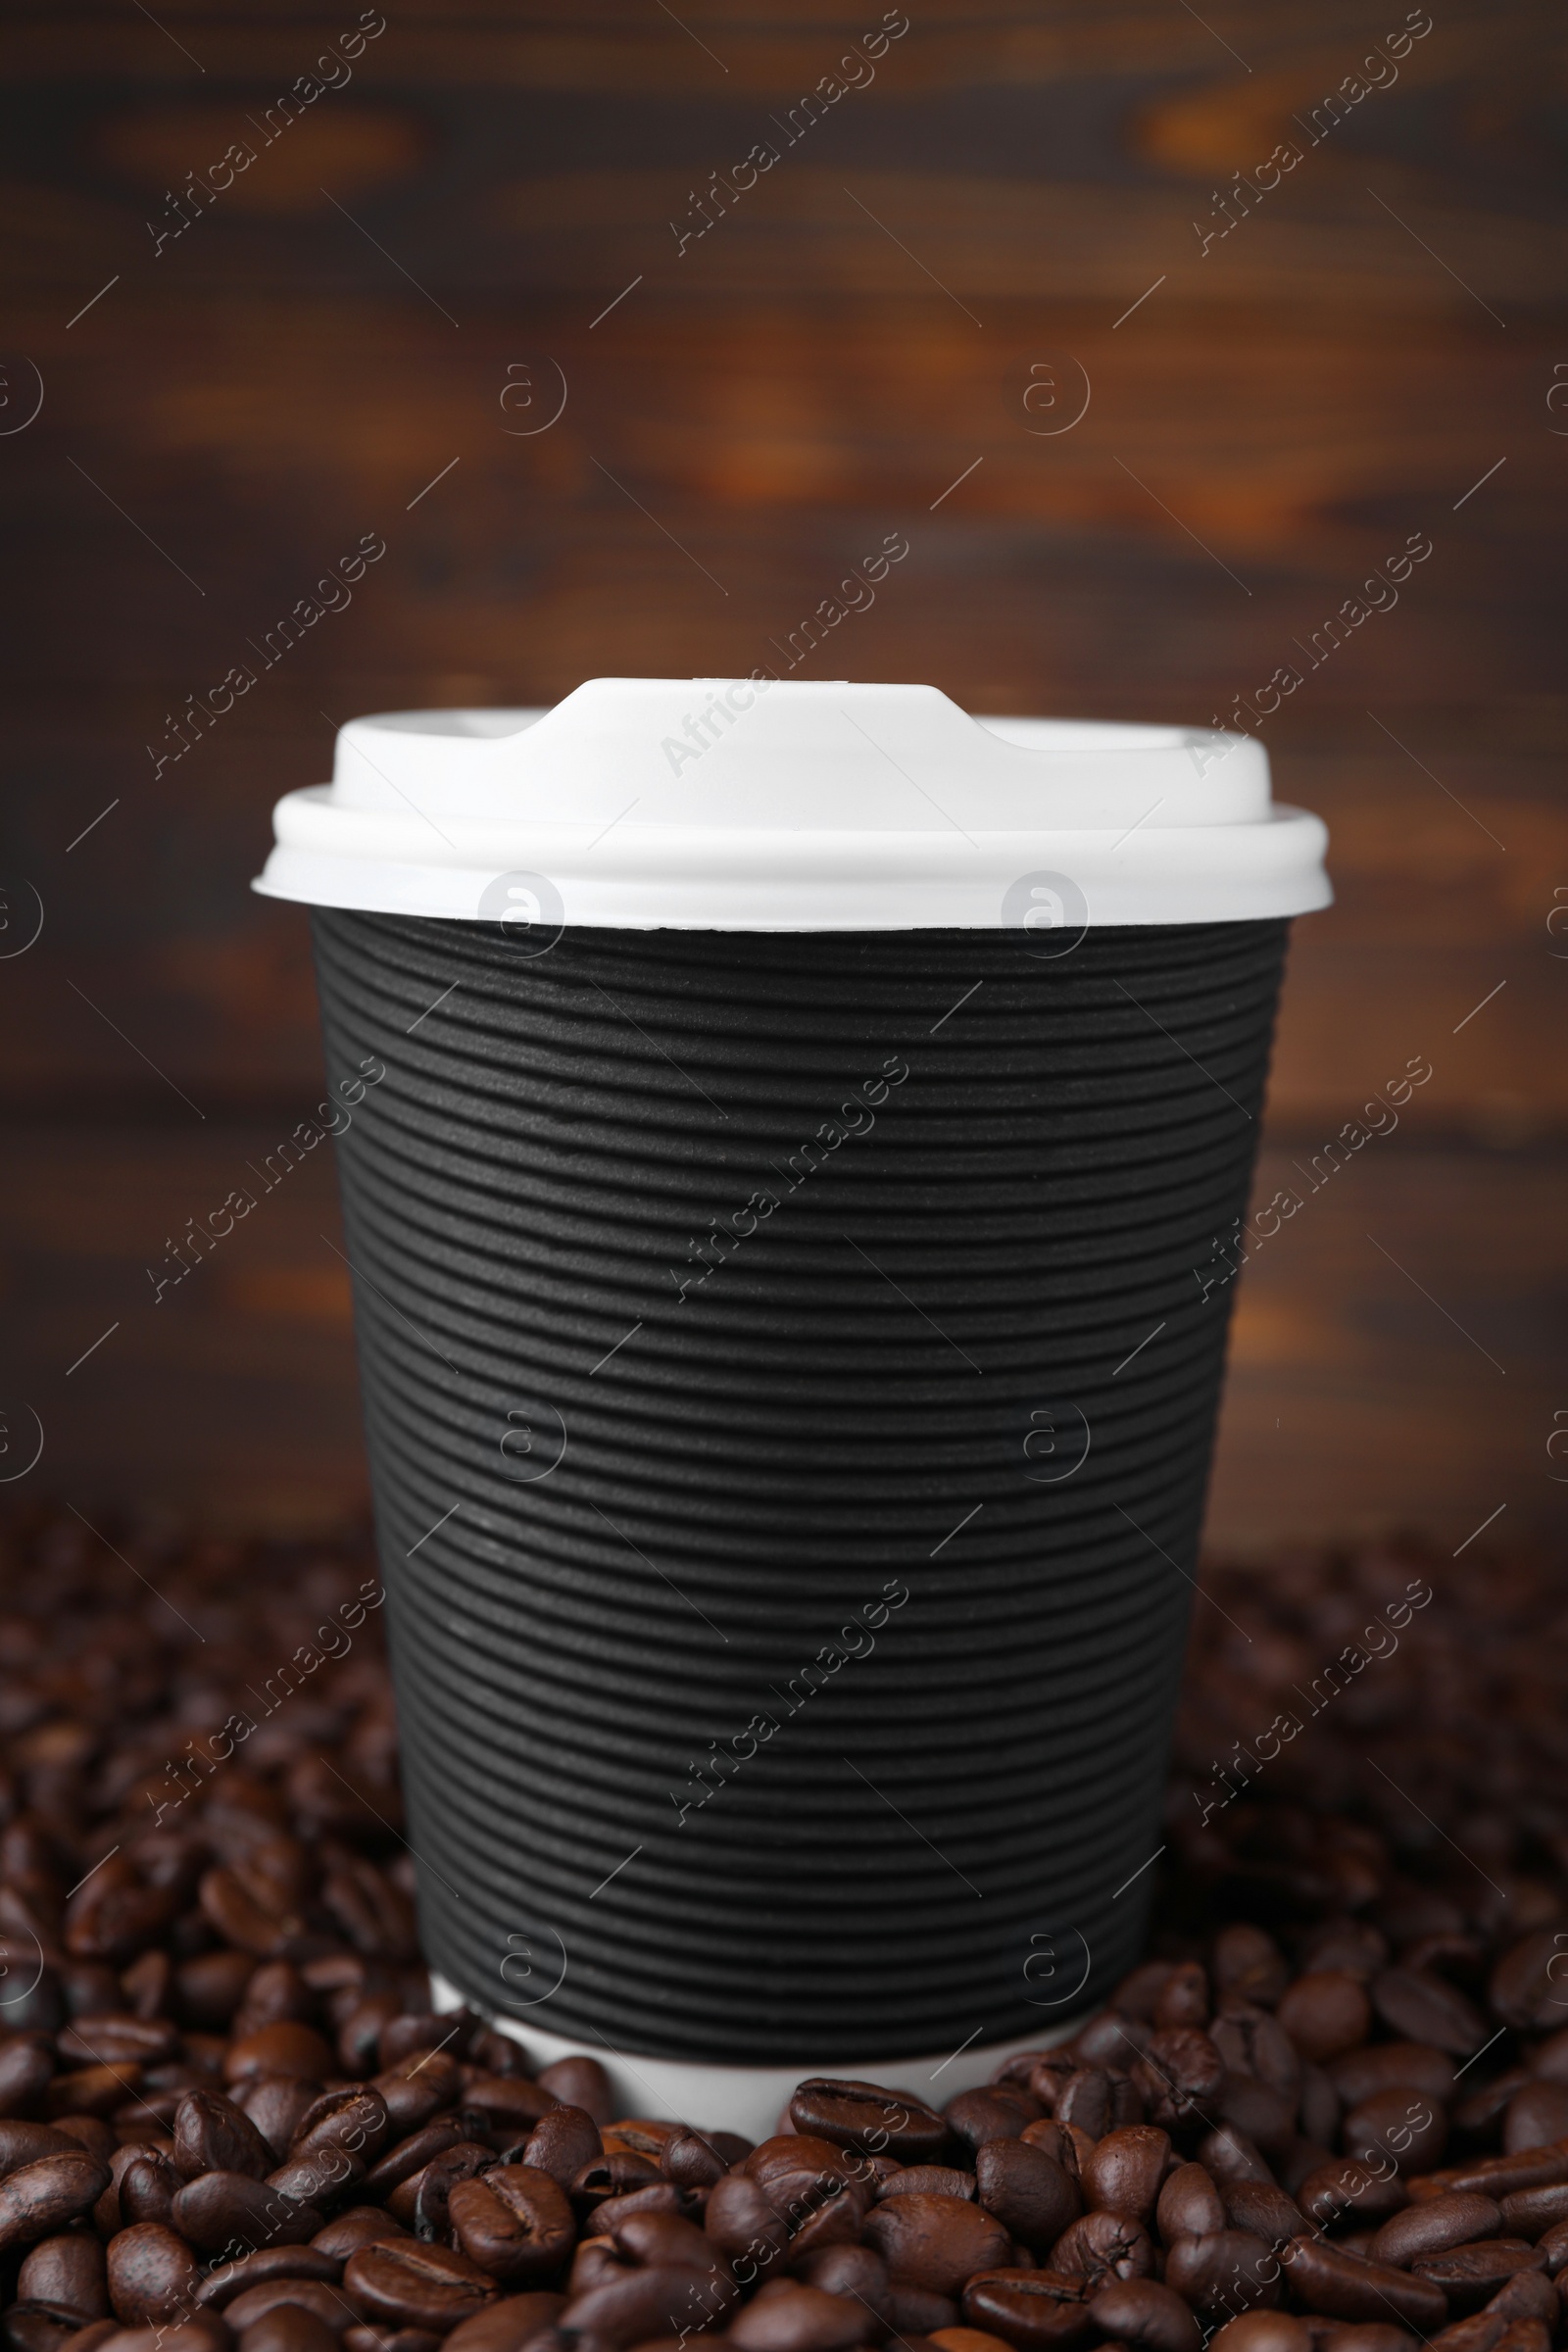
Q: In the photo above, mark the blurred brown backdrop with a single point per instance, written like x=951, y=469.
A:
x=369, y=328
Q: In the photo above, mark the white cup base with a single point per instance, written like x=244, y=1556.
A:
x=751, y=2099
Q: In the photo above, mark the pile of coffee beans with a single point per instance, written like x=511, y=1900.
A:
x=1329, y=2114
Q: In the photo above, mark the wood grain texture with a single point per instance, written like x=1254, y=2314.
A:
x=1031, y=200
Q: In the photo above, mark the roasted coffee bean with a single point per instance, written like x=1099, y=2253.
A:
x=1531, y=2211
x=1346, y=2286
x=507, y=2325
x=275, y=2104
x=1355, y=1945
x=1318, y=2107
x=355, y=2119
x=1188, y=2205
x=1479, y=2115
x=1261, y=2113
x=68, y=2270
x=1140, y=2311
x=221, y=2211
x=277, y=1993
x=936, y=2243
x=1126, y=2172
x=691, y=2158
x=23, y=2143
x=152, y=2274
x=1433, y=2228
x=1110, y=2040
x=928, y=2180
x=1062, y=2142
x=1414, y=2066
x=646, y=2303
x=593, y=2264
x=89, y=2131
x=1537, y=2117
x=418, y=2089
x=359, y=2037
x=510, y=2099
x=288, y=2328
x=976, y=2117
x=1103, y=2246
x=612, y=2174
x=917, y=2314
x=1553, y=2244
x=91, y=2090
x=284, y=2049
x=1182, y=1998
x=405, y=2285
x=1138, y=1993
x=1345, y=2184
x=214, y=2135
x=1045, y=2076
x=800, y=2319
x=410, y=2156
x=1525, y=2336
x=516, y=2224
x=1470, y=2275
x=1527, y=2295
x=1399, y=2125
x=1031, y=2194
x=562, y=2141
x=965, y=2340
x=1254, y=2043
x=865, y=2116
x=327, y=2303
x=208, y=1988
x=798, y=2171
x=1034, y=2311
x=660, y=2196
x=1225, y=2273
x=1229, y=2155
x=264, y=2268
x=27, y=2070
x=148, y=2187
x=422, y=2203
x=1179, y=2077
x=857, y=2271
x=1263, y=2331
x=117, y=2039
x=580, y=2083
x=319, y=2177
x=1247, y=1965
x=363, y=2338
x=1524, y=1989
x=360, y=2227
x=38, y=2198
x=1087, y=2099
x=33, y=2326
x=1497, y=2176
x=838, y=2220
x=745, y=2224
x=1427, y=2008
x=194, y=2334
x=1261, y=2210
x=1362, y=2335
x=1326, y=2013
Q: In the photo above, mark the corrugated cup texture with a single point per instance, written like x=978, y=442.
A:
x=790, y=1367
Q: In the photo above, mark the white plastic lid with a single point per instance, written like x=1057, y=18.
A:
x=755, y=805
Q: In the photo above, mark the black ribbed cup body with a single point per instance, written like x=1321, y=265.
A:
x=790, y=1366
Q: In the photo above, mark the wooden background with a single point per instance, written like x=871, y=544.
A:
x=326, y=350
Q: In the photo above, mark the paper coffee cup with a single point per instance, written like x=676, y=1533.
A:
x=793, y=1231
